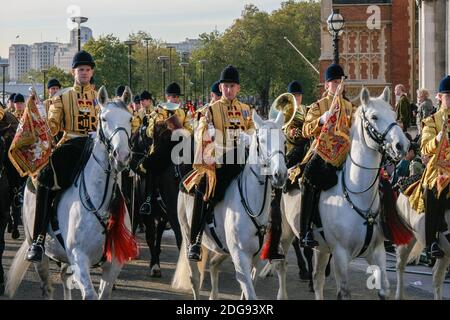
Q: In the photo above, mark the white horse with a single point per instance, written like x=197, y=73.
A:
x=373, y=132
x=80, y=210
x=417, y=244
x=247, y=198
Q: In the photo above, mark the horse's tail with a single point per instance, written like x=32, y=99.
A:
x=119, y=240
x=415, y=252
x=17, y=271
x=181, y=278
x=393, y=225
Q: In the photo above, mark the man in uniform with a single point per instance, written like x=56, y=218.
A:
x=74, y=112
x=53, y=86
x=215, y=92
x=436, y=180
x=19, y=106
x=229, y=117
x=10, y=104
x=402, y=107
x=316, y=117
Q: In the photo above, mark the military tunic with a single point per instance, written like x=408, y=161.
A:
x=73, y=111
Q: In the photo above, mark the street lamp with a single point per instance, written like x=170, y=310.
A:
x=44, y=71
x=163, y=60
x=170, y=62
x=4, y=66
x=335, y=24
x=183, y=65
x=79, y=21
x=202, y=64
x=148, y=75
x=129, y=43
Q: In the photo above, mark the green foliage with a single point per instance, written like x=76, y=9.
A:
x=66, y=79
x=255, y=44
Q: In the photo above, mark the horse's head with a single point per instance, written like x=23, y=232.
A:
x=114, y=127
x=381, y=131
x=269, y=146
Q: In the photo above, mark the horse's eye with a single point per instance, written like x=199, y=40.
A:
x=374, y=118
x=103, y=119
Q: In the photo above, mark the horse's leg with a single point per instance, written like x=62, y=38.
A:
x=309, y=255
x=150, y=235
x=243, y=265
x=66, y=280
x=378, y=258
x=42, y=269
x=82, y=266
x=341, y=262
x=168, y=187
x=214, y=264
x=155, y=269
x=303, y=270
x=439, y=270
x=319, y=273
x=402, y=259
x=110, y=272
x=287, y=238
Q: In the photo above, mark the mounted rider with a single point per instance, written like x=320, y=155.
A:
x=219, y=128
x=432, y=193
x=74, y=112
x=320, y=168
x=53, y=86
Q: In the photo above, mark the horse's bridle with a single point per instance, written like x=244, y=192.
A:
x=374, y=134
x=265, y=160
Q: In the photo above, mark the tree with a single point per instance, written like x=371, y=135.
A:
x=255, y=44
x=66, y=79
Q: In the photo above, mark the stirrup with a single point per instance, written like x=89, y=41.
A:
x=195, y=252
x=35, y=252
x=436, y=251
x=309, y=241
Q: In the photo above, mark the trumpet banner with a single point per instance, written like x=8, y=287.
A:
x=32, y=144
x=333, y=143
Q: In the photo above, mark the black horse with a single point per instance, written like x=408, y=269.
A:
x=157, y=205
x=4, y=207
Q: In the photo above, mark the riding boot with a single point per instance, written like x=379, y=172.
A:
x=434, y=222
x=198, y=222
x=41, y=221
x=309, y=206
x=275, y=249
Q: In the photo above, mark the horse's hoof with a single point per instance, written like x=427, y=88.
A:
x=155, y=273
x=381, y=296
x=311, y=287
x=9, y=228
x=15, y=234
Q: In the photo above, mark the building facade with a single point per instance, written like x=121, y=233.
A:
x=85, y=35
x=378, y=46
x=187, y=45
x=19, y=61
x=43, y=54
x=434, y=42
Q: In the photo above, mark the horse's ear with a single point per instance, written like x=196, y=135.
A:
x=280, y=119
x=127, y=96
x=102, y=96
x=386, y=95
x=365, y=96
x=257, y=119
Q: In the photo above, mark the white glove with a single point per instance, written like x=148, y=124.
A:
x=324, y=117
x=439, y=137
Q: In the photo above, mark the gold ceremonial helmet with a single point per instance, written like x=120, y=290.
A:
x=286, y=104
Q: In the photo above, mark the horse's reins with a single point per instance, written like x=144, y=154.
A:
x=260, y=229
x=379, y=138
x=87, y=203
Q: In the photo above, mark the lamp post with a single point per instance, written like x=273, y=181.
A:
x=170, y=61
x=202, y=64
x=163, y=60
x=79, y=21
x=4, y=66
x=335, y=24
x=148, y=75
x=183, y=65
x=129, y=43
x=44, y=71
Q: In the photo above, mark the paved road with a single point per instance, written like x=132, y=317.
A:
x=135, y=283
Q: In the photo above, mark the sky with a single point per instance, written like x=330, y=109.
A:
x=169, y=20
